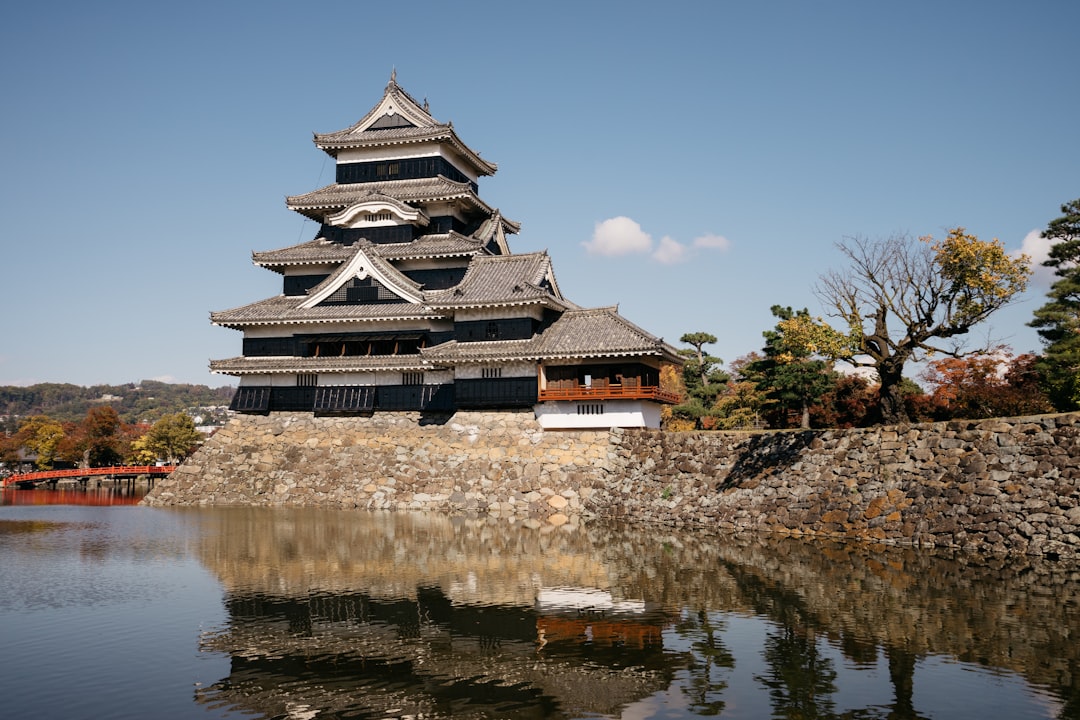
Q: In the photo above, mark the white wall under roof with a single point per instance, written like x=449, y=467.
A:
x=563, y=415
x=509, y=370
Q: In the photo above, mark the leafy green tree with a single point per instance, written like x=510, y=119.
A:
x=701, y=365
x=738, y=407
x=790, y=373
x=702, y=375
x=900, y=300
x=173, y=437
x=1058, y=321
x=140, y=452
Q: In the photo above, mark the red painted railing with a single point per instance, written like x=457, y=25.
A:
x=114, y=470
x=610, y=392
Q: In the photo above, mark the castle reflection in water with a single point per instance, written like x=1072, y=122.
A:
x=401, y=615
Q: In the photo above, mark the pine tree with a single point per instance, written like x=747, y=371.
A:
x=793, y=378
x=1058, y=321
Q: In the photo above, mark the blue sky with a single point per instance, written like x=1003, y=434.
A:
x=693, y=162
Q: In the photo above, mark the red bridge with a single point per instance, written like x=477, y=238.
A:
x=116, y=471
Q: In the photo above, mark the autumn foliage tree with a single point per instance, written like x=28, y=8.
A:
x=41, y=436
x=903, y=300
x=982, y=386
x=97, y=441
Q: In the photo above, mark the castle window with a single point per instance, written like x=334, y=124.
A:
x=307, y=380
x=387, y=169
x=489, y=373
x=412, y=378
x=590, y=409
x=379, y=217
x=492, y=331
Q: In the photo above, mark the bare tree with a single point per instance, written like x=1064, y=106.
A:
x=902, y=299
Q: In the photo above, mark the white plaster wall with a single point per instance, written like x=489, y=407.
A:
x=499, y=313
x=268, y=379
x=509, y=370
x=310, y=269
x=617, y=413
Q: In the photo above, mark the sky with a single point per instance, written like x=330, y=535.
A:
x=694, y=163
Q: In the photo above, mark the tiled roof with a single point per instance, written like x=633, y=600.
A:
x=500, y=280
x=577, y=334
x=314, y=252
x=431, y=246
x=286, y=310
x=338, y=196
x=489, y=227
x=452, y=352
x=321, y=251
x=349, y=363
x=601, y=331
x=422, y=127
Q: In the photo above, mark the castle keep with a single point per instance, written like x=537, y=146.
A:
x=409, y=299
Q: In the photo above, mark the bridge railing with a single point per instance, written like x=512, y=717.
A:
x=88, y=472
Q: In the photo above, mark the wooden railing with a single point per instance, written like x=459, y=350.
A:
x=610, y=392
x=115, y=470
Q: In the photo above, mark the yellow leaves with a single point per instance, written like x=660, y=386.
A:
x=804, y=335
x=982, y=276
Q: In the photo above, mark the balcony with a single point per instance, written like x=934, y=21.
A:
x=609, y=391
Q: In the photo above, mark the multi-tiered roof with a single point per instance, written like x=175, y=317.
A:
x=409, y=297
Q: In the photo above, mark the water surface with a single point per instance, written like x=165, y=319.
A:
x=134, y=612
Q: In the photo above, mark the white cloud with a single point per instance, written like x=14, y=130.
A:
x=715, y=242
x=623, y=236
x=618, y=236
x=1038, y=249
x=670, y=251
x=164, y=379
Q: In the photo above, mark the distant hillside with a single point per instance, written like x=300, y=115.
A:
x=147, y=401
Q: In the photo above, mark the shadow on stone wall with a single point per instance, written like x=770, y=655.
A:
x=765, y=454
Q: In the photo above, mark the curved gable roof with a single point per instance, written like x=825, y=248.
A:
x=397, y=118
x=365, y=262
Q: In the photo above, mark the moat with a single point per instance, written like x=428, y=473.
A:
x=131, y=611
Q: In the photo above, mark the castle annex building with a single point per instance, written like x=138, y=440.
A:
x=409, y=298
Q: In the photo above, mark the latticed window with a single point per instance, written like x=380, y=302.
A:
x=412, y=378
x=307, y=380
x=492, y=372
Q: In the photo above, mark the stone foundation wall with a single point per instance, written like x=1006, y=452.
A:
x=1001, y=486
x=498, y=462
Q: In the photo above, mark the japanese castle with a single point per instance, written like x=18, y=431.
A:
x=409, y=299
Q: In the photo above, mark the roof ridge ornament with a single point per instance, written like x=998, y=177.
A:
x=393, y=75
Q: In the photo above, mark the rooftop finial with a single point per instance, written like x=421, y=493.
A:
x=426, y=108
x=393, y=76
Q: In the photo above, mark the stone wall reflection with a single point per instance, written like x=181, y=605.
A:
x=453, y=604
